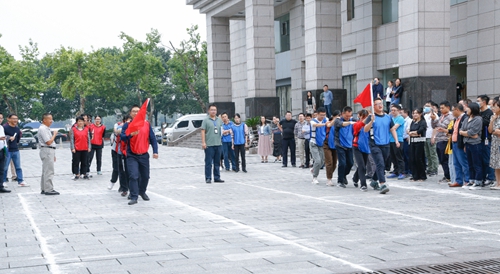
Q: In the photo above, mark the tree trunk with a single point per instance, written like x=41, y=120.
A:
x=6, y=99
x=156, y=117
x=82, y=95
x=196, y=96
x=151, y=111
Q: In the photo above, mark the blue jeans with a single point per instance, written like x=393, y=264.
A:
x=488, y=172
x=16, y=158
x=138, y=174
x=461, y=165
x=328, y=110
x=228, y=153
x=379, y=155
x=212, y=156
x=395, y=101
x=345, y=163
x=475, y=162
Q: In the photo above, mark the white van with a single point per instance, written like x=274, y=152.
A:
x=184, y=125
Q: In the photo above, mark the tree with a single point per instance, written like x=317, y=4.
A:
x=144, y=69
x=82, y=74
x=189, y=68
x=21, y=80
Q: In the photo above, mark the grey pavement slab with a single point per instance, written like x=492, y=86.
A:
x=269, y=220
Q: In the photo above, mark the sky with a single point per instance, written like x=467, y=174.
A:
x=83, y=24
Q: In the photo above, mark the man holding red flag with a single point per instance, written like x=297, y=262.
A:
x=138, y=135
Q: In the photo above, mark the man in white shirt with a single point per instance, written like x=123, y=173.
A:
x=2, y=155
x=46, y=139
x=431, y=114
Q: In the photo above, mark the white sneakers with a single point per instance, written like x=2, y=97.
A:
x=315, y=181
x=111, y=185
x=330, y=183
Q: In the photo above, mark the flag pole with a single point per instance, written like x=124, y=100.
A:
x=371, y=96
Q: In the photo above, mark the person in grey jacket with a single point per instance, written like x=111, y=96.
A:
x=471, y=130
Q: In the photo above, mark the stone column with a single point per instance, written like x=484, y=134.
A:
x=424, y=51
x=219, y=63
x=261, y=63
x=323, y=49
x=323, y=44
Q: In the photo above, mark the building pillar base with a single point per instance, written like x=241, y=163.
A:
x=227, y=107
x=420, y=89
x=262, y=106
x=339, y=98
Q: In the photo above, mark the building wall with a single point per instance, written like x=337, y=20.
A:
x=238, y=64
x=475, y=33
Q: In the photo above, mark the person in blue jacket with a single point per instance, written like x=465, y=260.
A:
x=343, y=143
x=361, y=149
x=329, y=149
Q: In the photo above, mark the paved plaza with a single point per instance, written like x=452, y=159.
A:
x=269, y=220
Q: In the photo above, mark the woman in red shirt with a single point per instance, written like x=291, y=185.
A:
x=98, y=130
x=80, y=146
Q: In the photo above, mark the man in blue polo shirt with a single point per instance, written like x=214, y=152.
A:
x=327, y=97
x=227, y=151
x=381, y=127
x=318, y=136
x=343, y=144
x=397, y=152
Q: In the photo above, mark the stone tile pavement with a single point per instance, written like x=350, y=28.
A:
x=269, y=220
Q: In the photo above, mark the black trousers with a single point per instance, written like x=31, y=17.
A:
x=119, y=170
x=285, y=144
x=79, y=161
x=361, y=161
x=417, y=160
x=308, y=152
x=239, y=150
x=98, y=154
x=2, y=165
x=443, y=157
x=138, y=174
x=397, y=158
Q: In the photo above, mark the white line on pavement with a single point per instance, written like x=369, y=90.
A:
x=54, y=268
x=124, y=255
x=261, y=234
x=373, y=209
x=449, y=191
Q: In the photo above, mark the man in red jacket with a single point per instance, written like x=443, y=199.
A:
x=138, y=157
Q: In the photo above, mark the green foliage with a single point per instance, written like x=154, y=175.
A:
x=189, y=68
x=253, y=122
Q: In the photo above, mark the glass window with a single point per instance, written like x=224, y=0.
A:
x=182, y=124
x=282, y=33
x=454, y=2
x=197, y=123
x=284, y=94
x=389, y=11
x=349, y=84
x=350, y=10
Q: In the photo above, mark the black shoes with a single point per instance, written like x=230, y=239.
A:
x=218, y=181
x=294, y=166
x=144, y=196
x=3, y=190
x=132, y=202
x=53, y=192
x=244, y=170
x=208, y=181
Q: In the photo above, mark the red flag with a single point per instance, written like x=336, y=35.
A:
x=365, y=97
x=138, y=121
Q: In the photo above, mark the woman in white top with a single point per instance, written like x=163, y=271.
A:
x=388, y=95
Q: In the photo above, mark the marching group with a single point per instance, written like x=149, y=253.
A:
x=395, y=143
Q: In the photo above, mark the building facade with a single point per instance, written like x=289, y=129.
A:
x=264, y=55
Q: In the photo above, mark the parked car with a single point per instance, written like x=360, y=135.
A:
x=184, y=125
x=157, y=131
x=61, y=137
x=28, y=141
